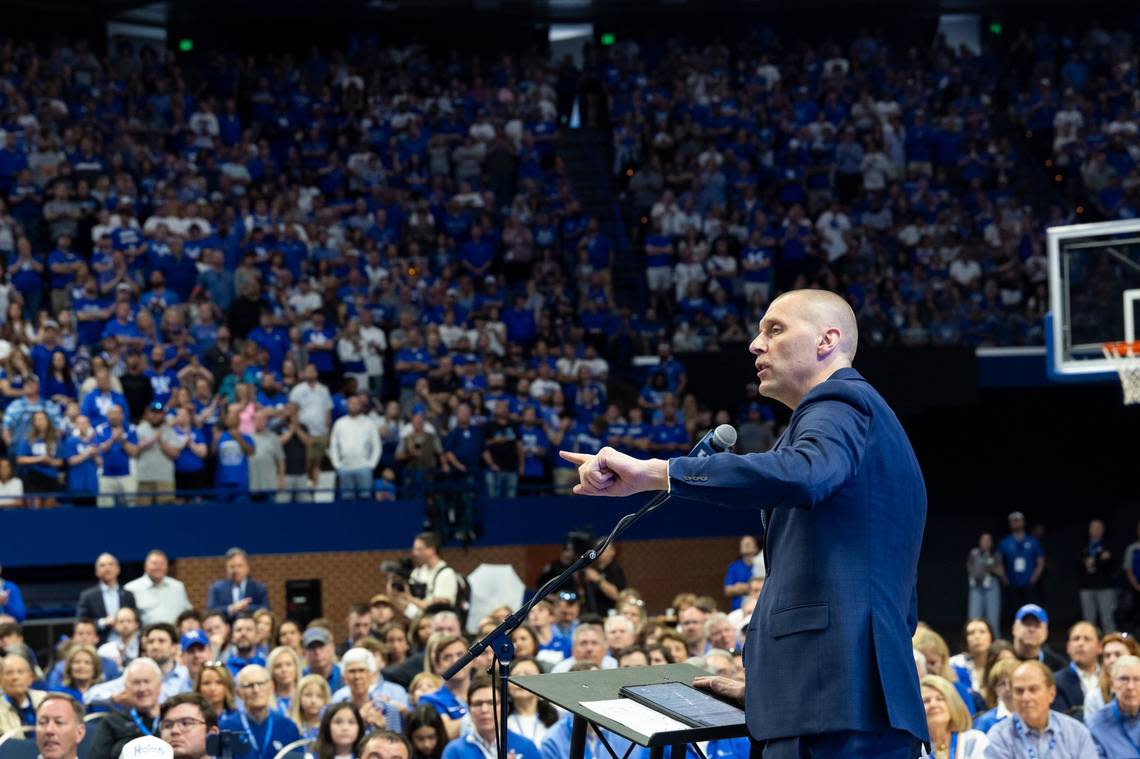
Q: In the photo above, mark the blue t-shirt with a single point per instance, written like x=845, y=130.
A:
x=116, y=462
x=666, y=434
x=533, y=436
x=115, y=328
x=159, y=301
x=188, y=462
x=414, y=355
x=163, y=384
x=265, y=739
x=738, y=571
x=322, y=358
x=658, y=251
x=90, y=331
x=83, y=478
x=61, y=281
x=30, y=447
x=98, y=404
x=233, y=465
x=466, y=444
x=1020, y=557
x=755, y=256
x=275, y=341
x=476, y=254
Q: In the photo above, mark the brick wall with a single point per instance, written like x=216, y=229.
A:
x=659, y=569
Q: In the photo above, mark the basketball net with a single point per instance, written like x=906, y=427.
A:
x=1125, y=359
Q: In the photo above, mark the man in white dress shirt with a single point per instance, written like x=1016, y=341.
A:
x=158, y=596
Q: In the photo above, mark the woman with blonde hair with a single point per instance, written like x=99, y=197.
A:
x=285, y=669
x=948, y=721
x=998, y=692
x=933, y=647
x=216, y=685
x=81, y=670
x=313, y=695
x=423, y=684
x=633, y=609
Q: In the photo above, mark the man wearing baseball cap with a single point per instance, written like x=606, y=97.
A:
x=1030, y=631
x=1024, y=560
x=318, y=645
x=158, y=447
x=195, y=652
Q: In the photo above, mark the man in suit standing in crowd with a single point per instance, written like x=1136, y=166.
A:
x=844, y=506
x=101, y=601
x=237, y=592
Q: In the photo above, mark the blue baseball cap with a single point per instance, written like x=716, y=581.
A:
x=194, y=638
x=1032, y=610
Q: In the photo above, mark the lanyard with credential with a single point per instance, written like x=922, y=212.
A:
x=142, y=726
x=953, y=746
x=1029, y=750
x=1120, y=721
x=252, y=738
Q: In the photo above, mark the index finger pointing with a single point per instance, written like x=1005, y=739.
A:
x=575, y=458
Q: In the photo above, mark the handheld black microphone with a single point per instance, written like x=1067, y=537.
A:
x=717, y=440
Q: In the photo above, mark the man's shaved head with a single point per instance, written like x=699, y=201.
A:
x=804, y=337
x=828, y=310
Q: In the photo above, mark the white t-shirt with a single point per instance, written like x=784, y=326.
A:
x=11, y=492
x=313, y=406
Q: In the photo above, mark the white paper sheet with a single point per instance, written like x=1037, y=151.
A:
x=635, y=716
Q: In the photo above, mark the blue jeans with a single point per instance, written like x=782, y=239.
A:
x=501, y=484
x=354, y=484
x=847, y=744
x=986, y=603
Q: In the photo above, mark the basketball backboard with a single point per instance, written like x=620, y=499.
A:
x=1094, y=294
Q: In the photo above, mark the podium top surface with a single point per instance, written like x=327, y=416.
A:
x=569, y=689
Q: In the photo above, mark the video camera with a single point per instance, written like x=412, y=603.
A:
x=401, y=577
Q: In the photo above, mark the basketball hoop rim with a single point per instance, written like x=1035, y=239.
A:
x=1122, y=350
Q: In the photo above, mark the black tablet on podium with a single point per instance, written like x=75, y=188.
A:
x=684, y=703
x=583, y=694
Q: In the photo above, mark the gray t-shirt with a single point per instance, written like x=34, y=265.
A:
x=154, y=465
x=267, y=451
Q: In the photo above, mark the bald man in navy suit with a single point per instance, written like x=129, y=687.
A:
x=828, y=659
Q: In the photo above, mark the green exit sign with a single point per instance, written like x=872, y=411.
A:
x=186, y=45
x=608, y=39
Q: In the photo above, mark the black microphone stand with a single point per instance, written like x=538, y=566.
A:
x=499, y=639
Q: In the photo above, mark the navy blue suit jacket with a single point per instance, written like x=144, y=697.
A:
x=829, y=645
x=221, y=595
x=1070, y=698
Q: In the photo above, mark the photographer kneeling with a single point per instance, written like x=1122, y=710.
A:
x=431, y=584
